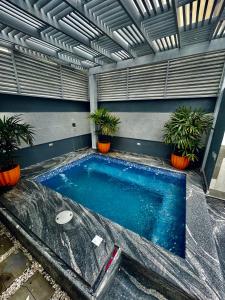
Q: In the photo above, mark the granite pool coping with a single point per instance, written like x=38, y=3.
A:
x=199, y=274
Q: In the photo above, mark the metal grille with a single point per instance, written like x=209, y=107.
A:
x=194, y=76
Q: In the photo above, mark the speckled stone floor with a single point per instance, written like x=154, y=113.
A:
x=217, y=214
x=21, y=277
x=66, y=252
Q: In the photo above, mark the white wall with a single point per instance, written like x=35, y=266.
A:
x=53, y=126
x=141, y=125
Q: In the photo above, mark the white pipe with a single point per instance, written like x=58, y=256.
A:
x=93, y=106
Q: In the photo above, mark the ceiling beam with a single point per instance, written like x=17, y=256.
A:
x=81, y=10
x=175, y=7
x=23, y=5
x=199, y=48
x=126, y=6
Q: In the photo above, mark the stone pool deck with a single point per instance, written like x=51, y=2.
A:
x=141, y=269
x=21, y=277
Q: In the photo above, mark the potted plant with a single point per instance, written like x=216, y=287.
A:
x=106, y=126
x=184, y=131
x=12, y=132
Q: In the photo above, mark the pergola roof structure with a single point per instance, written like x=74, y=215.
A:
x=92, y=33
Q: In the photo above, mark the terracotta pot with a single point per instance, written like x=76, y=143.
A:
x=179, y=162
x=10, y=177
x=103, y=147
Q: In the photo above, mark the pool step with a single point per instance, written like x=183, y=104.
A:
x=132, y=281
x=20, y=276
x=140, y=180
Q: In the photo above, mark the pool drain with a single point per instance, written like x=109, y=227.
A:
x=64, y=217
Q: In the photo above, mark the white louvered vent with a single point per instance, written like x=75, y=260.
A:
x=113, y=85
x=7, y=72
x=193, y=76
x=74, y=84
x=28, y=75
x=147, y=82
x=37, y=77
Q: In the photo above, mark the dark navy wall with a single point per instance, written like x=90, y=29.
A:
x=159, y=105
x=154, y=112
x=28, y=105
x=217, y=138
x=19, y=103
x=32, y=155
x=153, y=148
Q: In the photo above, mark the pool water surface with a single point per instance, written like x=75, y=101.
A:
x=149, y=201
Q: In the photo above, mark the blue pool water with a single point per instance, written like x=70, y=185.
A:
x=149, y=201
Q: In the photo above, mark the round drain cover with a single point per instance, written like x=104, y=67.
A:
x=64, y=217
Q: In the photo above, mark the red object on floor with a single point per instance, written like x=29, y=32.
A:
x=115, y=250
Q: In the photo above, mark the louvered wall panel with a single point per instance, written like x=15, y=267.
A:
x=147, y=82
x=37, y=77
x=8, y=83
x=195, y=76
x=112, y=86
x=74, y=85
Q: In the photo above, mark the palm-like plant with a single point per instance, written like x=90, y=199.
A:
x=106, y=123
x=12, y=133
x=185, y=129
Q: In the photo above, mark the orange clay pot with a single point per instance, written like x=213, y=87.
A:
x=10, y=177
x=179, y=162
x=103, y=147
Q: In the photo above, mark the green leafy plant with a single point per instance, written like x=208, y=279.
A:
x=185, y=130
x=106, y=123
x=12, y=133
